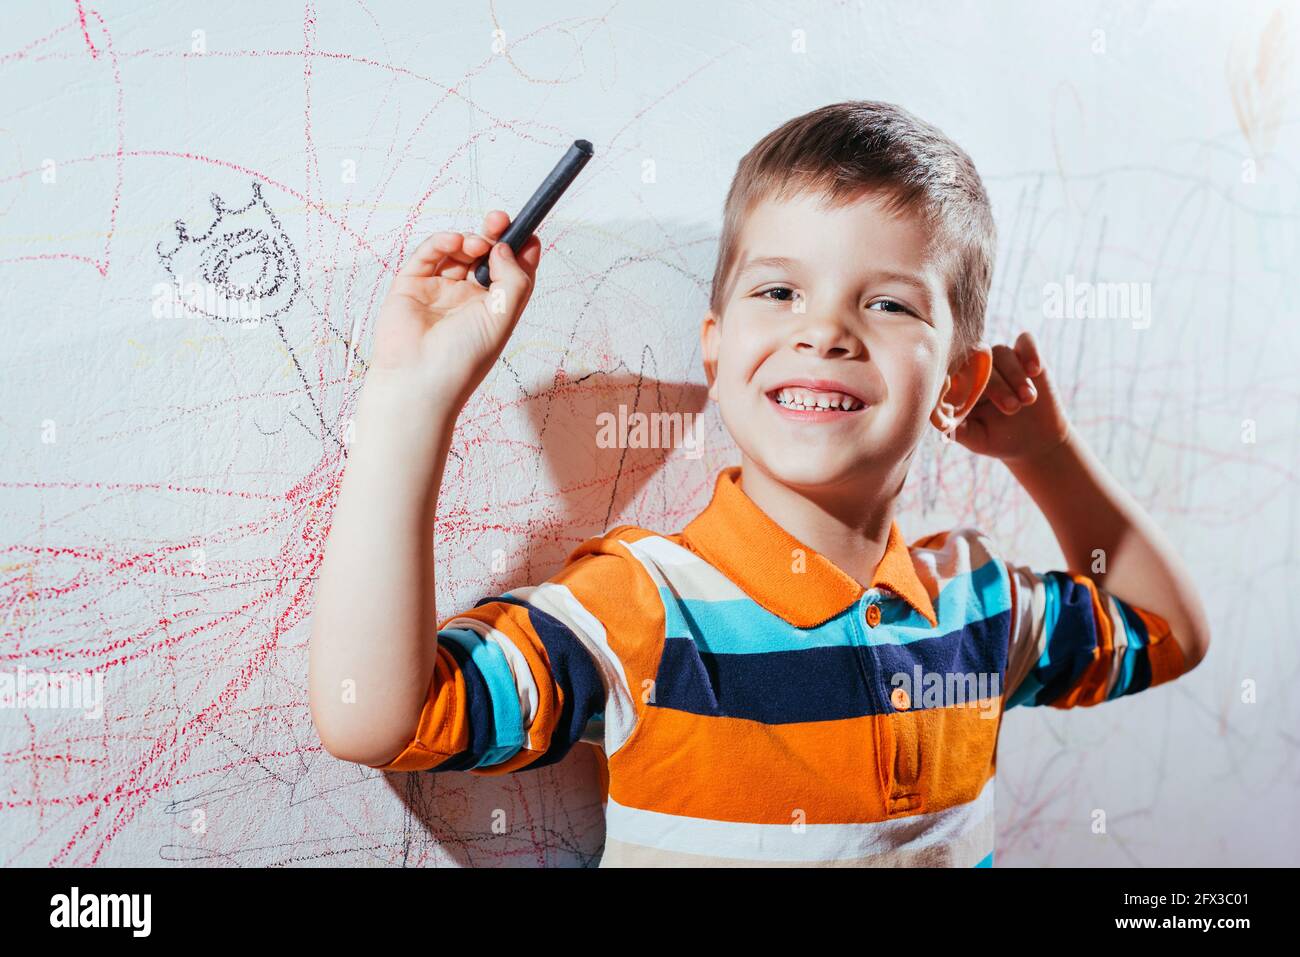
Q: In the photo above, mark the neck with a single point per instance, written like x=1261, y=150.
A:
x=847, y=524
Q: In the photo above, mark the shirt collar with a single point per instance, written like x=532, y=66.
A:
x=749, y=547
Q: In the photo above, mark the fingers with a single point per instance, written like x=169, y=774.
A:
x=1014, y=368
x=530, y=254
x=510, y=284
x=450, y=248
x=495, y=223
x=1009, y=387
x=453, y=270
x=478, y=245
x=1027, y=351
x=528, y=259
x=426, y=256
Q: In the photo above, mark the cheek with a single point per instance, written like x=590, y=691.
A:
x=739, y=359
x=913, y=371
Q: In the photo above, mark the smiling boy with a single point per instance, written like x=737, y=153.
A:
x=785, y=680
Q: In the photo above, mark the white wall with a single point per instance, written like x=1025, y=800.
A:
x=166, y=483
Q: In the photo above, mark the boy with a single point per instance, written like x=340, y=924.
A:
x=785, y=680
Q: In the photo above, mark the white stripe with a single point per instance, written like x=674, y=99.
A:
x=965, y=548
x=685, y=574
x=1119, y=633
x=1028, y=631
x=784, y=842
x=559, y=602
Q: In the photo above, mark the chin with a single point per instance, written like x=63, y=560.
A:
x=808, y=471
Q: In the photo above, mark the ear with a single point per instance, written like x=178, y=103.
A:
x=962, y=388
x=710, y=335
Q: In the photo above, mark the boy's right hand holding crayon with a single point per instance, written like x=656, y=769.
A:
x=438, y=328
x=373, y=639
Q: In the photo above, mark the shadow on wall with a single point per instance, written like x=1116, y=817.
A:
x=577, y=454
x=491, y=821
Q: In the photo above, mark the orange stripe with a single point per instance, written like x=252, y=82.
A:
x=443, y=729
x=622, y=596
x=732, y=769
x=1090, y=687
x=1166, y=655
x=617, y=592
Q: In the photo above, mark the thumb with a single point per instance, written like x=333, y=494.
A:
x=509, y=286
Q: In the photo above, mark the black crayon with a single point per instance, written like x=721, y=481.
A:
x=530, y=217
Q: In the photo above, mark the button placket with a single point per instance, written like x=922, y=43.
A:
x=868, y=661
x=898, y=744
x=871, y=620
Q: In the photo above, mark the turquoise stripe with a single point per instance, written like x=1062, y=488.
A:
x=507, y=719
x=1051, y=588
x=988, y=860
x=965, y=599
x=742, y=626
x=1025, y=693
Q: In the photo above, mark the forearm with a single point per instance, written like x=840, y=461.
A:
x=1092, y=515
x=373, y=637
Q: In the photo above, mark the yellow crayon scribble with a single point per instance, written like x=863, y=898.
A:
x=145, y=360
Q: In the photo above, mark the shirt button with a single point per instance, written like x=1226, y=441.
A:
x=873, y=615
x=900, y=699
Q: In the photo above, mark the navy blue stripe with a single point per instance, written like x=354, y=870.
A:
x=1072, y=643
x=979, y=649
x=573, y=671
x=774, y=687
x=478, y=713
x=823, y=683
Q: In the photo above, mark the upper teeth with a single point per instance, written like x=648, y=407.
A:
x=808, y=399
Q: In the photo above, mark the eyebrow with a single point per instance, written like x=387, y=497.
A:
x=777, y=262
x=785, y=262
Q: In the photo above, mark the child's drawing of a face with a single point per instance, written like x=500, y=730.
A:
x=854, y=301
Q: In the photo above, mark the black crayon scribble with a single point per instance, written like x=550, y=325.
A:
x=244, y=258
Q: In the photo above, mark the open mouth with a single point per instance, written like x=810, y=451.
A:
x=815, y=404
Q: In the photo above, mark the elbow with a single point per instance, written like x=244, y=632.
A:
x=340, y=725
x=346, y=738
x=348, y=745
x=1195, y=646
x=358, y=752
x=350, y=730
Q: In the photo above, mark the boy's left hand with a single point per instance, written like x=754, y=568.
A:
x=1019, y=415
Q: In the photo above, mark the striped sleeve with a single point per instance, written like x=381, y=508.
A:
x=1074, y=643
x=523, y=676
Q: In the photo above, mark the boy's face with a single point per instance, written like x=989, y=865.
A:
x=855, y=302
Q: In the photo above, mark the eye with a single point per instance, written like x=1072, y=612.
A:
x=890, y=302
x=763, y=294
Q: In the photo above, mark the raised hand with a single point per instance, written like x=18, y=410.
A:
x=438, y=329
x=1019, y=414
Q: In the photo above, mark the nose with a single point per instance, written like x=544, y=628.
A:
x=826, y=332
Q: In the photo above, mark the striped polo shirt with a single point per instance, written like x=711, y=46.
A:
x=758, y=706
